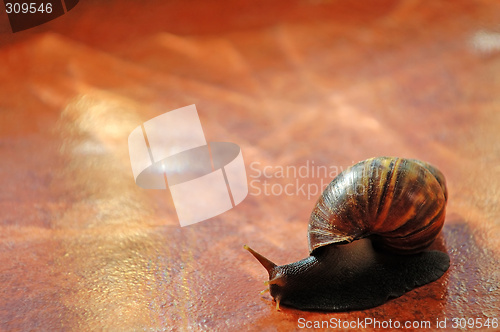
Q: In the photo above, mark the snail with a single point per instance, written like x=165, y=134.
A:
x=367, y=238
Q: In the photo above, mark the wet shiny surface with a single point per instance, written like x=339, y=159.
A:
x=305, y=84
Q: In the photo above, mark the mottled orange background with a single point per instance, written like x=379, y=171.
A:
x=292, y=83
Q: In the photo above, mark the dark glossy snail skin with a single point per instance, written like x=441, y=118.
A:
x=367, y=235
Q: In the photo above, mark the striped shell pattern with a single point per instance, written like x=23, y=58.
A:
x=398, y=203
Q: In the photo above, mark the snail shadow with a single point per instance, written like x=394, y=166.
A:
x=470, y=279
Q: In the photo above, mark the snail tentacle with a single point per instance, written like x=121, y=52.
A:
x=268, y=265
x=264, y=291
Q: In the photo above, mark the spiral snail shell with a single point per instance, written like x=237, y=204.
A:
x=367, y=238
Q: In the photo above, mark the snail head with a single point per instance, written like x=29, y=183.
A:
x=276, y=277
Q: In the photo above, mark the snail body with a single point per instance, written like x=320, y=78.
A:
x=367, y=238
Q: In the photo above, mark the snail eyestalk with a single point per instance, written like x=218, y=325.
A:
x=266, y=263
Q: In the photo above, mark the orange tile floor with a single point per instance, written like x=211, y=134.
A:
x=295, y=84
